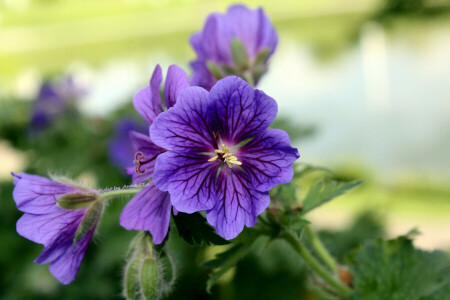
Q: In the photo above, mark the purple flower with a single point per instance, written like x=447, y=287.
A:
x=46, y=223
x=221, y=157
x=54, y=98
x=120, y=149
x=239, y=42
x=150, y=208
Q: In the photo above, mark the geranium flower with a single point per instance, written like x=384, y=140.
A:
x=221, y=157
x=150, y=208
x=60, y=230
x=119, y=147
x=55, y=97
x=239, y=42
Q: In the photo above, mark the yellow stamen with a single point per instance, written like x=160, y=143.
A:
x=228, y=156
x=213, y=158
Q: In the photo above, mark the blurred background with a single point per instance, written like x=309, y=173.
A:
x=363, y=88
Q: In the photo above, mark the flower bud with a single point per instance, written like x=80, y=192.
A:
x=131, y=279
x=169, y=273
x=150, y=283
x=76, y=200
x=90, y=220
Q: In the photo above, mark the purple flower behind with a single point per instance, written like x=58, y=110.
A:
x=150, y=208
x=44, y=222
x=256, y=41
x=221, y=157
x=54, y=98
x=120, y=150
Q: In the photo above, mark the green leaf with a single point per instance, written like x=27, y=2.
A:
x=285, y=194
x=239, y=53
x=194, y=229
x=225, y=261
x=323, y=192
x=395, y=270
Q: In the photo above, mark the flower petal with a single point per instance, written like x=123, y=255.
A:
x=268, y=159
x=43, y=229
x=238, y=205
x=189, y=178
x=239, y=112
x=120, y=150
x=176, y=81
x=148, y=210
x=201, y=75
x=37, y=195
x=147, y=101
x=184, y=127
x=142, y=143
x=64, y=256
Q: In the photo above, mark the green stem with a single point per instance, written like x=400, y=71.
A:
x=117, y=193
x=315, y=265
x=321, y=250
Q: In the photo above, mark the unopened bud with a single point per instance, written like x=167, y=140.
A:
x=345, y=276
x=76, y=200
x=150, y=283
x=169, y=273
x=89, y=221
x=131, y=279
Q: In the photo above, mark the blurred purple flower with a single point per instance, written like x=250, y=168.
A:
x=221, y=157
x=150, y=208
x=55, y=97
x=239, y=42
x=120, y=150
x=46, y=223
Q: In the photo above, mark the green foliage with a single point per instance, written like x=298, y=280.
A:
x=194, y=229
x=395, y=270
x=323, y=192
x=366, y=226
x=225, y=261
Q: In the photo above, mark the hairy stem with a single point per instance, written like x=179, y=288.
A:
x=315, y=265
x=321, y=250
x=116, y=193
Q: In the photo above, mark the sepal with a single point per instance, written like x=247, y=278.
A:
x=239, y=54
x=89, y=221
x=76, y=200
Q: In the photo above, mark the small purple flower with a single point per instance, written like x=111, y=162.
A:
x=221, y=157
x=54, y=98
x=120, y=149
x=46, y=223
x=150, y=208
x=239, y=42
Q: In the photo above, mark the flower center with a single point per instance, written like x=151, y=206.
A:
x=226, y=156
